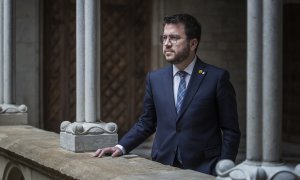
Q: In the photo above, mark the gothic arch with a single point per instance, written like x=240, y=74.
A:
x=12, y=172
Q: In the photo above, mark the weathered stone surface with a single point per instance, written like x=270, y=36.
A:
x=13, y=119
x=39, y=150
x=85, y=143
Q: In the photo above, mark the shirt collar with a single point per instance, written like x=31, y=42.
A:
x=188, y=69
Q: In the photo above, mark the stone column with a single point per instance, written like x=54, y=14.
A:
x=1, y=52
x=90, y=60
x=263, y=137
x=272, y=80
x=7, y=48
x=254, y=83
x=80, y=114
x=88, y=133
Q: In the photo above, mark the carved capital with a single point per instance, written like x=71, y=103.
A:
x=12, y=108
x=78, y=128
x=256, y=171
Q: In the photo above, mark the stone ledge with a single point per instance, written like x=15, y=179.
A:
x=39, y=150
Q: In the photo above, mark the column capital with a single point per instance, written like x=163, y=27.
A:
x=12, y=108
x=256, y=170
x=84, y=128
x=85, y=137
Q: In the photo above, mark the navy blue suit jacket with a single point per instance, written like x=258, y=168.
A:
x=206, y=130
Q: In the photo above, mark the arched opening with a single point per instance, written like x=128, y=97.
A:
x=12, y=172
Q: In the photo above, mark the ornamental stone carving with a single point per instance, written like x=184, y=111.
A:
x=249, y=170
x=84, y=128
x=11, y=108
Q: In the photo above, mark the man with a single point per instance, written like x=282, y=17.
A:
x=190, y=105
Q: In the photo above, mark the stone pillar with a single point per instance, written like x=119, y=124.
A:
x=9, y=112
x=88, y=133
x=90, y=60
x=272, y=80
x=254, y=83
x=80, y=113
x=263, y=137
x=8, y=50
x=1, y=52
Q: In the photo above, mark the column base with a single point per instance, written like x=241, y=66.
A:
x=249, y=170
x=87, y=143
x=13, y=119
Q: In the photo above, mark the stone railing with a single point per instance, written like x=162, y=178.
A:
x=28, y=153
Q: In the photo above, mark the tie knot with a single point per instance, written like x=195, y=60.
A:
x=181, y=74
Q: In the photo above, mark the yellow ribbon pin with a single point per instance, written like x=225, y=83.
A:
x=200, y=71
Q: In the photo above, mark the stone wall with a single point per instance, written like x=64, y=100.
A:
x=28, y=54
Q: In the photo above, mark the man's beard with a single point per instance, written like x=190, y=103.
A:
x=180, y=56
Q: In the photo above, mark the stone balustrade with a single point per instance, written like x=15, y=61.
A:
x=33, y=154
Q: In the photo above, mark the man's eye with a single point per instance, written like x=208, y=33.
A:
x=172, y=38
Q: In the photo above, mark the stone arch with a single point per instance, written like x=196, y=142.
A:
x=13, y=172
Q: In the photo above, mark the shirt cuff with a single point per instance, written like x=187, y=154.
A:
x=122, y=148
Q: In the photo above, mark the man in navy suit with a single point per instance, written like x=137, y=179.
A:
x=190, y=105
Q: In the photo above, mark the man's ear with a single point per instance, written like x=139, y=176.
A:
x=193, y=44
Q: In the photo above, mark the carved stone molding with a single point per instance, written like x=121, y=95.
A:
x=249, y=170
x=85, y=128
x=12, y=108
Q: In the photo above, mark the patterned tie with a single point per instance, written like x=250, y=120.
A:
x=181, y=90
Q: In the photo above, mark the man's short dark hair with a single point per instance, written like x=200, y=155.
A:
x=192, y=26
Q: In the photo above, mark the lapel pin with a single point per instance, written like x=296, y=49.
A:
x=201, y=71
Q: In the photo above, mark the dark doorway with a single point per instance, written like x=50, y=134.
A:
x=291, y=78
x=125, y=57
x=59, y=63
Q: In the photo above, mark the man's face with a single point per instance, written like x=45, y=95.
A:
x=176, y=47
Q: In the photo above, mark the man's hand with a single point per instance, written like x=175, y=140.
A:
x=114, y=151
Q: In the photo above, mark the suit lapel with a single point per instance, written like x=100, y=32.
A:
x=194, y=84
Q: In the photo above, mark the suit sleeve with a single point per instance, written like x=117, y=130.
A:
x=229, y=125
x=146, y=124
